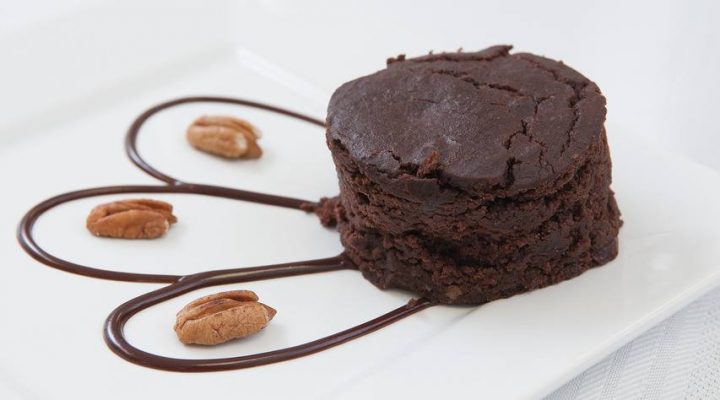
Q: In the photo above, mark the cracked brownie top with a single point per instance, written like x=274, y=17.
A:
x=487, y=123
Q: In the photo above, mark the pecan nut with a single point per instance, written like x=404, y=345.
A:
x=225, y=136
x=221, y=317
x=131, y=219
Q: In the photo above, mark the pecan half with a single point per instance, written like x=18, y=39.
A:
x=131, y=219
x=221, y=317
x=224, y=136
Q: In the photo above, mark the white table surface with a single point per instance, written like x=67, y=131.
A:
x=656, y=62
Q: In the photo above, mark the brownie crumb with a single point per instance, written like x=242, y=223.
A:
x=327, y=209
x=399, y=58
x=430, y=165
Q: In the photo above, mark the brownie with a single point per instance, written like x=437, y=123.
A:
x=471, y=176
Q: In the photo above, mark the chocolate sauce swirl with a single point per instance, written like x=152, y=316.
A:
x=179, y=284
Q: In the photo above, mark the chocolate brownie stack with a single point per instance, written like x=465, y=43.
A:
x=468, y=177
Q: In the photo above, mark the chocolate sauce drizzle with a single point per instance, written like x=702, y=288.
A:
x=179, y=284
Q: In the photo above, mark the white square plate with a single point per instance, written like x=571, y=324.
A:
x=520, y=347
